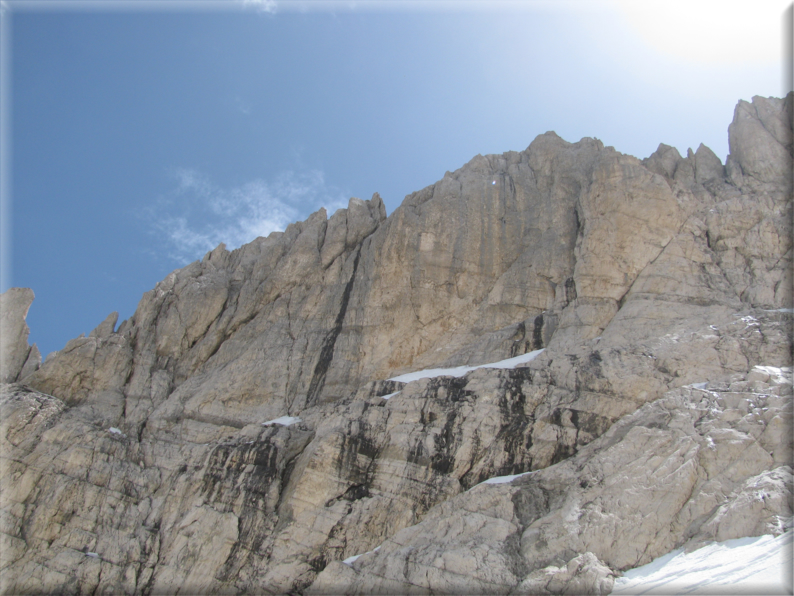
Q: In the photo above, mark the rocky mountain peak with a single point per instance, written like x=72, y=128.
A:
x=613, y=332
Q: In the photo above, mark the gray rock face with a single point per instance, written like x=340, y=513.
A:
x=135, y=460
x=669, y=475
x=17, y=358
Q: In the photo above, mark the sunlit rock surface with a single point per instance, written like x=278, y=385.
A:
x=240, y=432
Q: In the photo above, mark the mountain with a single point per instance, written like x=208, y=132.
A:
x=245, y=431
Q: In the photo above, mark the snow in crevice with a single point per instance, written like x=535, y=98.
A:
x=759, y=565
x=702, y=385
x=459, y=371
x=283, y=421
x=779, y=374
x=504, y=479
x=354, y=558
x=351, y=560
x=389, y=396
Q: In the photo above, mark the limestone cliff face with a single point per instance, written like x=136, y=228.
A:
x=135, y=459
x=17, y=358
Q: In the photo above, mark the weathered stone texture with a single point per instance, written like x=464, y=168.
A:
x=135, y=460
x=17, y=358
x=688, y=468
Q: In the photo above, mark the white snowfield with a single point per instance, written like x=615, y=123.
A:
x=459, y=371
x=283, y=421
x=760, y=565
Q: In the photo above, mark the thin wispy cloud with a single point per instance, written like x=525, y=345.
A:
x=198, y=215
x=242, y=106
x=268, y=6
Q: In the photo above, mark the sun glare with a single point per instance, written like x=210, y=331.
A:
x=723, y=31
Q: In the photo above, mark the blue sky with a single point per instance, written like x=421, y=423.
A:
x=137, y=136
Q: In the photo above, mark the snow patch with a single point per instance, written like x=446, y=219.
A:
x=742, y=566
x=389, y=396
x=93, y=555
x=749, y=321
x=504, y=479
x=431, y=373
x=779, y=374
x=116, y=431
x=515, y=361
x=354, y=558
x=283, y=421
x=459, y=371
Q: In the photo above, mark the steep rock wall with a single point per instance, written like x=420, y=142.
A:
x=137, y=462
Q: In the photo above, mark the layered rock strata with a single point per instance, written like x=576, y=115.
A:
x=706, y=462
x=135, y=459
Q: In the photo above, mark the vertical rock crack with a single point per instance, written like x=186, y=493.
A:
x=327, y=351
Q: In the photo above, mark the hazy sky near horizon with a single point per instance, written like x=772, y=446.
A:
x=141, y=135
